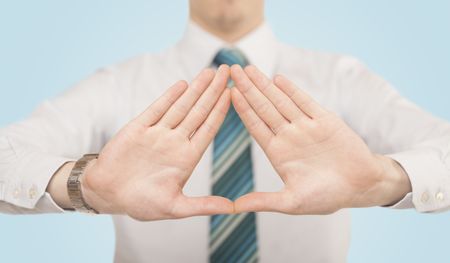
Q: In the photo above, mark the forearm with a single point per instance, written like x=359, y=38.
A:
x=395, y=182
x=58, y=190
x=57, y=187
x=33, y=149
x=25, y=175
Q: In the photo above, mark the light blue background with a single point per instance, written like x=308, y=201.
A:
x=46, y=46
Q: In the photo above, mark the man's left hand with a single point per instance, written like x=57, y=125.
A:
x=323, y=163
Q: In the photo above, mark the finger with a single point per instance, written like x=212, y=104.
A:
x=206, y=102
x=262, y=106
x=158, y=108
x=261, y=201
x=278, y=98
x=255, y=126
x=198, y=206
x=183, y=105
x=307, y=104
x=208, y=130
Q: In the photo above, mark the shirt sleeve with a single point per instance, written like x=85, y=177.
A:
x=393, y=126
x=60, y=130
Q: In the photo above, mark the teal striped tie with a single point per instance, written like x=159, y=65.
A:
x=232, y=237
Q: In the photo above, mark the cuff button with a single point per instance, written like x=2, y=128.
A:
x=32, y=192
x=16, y=193
x=425, y=197
x=439, y=196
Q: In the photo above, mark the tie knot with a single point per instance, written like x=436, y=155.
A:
x=230, y=56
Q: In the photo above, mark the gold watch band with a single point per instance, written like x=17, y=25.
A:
x=74, y=185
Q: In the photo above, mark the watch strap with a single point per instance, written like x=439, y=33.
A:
x=74, y=185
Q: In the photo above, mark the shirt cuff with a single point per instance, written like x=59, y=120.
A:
x=429, y=175
x=25, y=186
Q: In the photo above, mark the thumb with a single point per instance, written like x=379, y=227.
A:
x=261, y=202
x=205, y=205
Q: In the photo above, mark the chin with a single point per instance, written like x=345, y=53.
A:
x=227, y=24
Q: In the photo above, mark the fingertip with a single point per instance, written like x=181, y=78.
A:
x=205, y=77
x=241, y=205
x=224, y=67
x=250, y=69
x=223, y=72
x=277, y=78
x=225, y=204
x=207, y=205
x=208, y=72
x=259, y=202
x=182, y=83
x=235, y=69
x=175, y=91
x=259, y=79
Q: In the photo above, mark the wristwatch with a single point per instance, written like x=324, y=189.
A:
x=74, y=185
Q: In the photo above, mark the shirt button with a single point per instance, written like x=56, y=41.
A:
x=16, y=193
x=425, y=197
x=439, y=196
x=32, y=192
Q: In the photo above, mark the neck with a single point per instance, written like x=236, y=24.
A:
x=228, y=33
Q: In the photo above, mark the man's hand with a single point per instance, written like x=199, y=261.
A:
x=324, y=164
x=143, y=169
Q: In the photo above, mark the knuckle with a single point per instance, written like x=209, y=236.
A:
x=305, y=102
x=201, y=110
x=263, y=108
x=169, y=99
x=279, y=128
x=301, y=98
x=296, y=204
x=245, y=88
x=170, y=212
x=156, y=112
x=183, y=131
x=280, y=104
x=173, y=210
x=181, y=108
x=196, y=90
x=253, y=125
x=295, y=94
x=265, y=84
x=292, y=93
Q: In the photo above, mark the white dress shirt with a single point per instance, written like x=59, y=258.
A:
x=85, y=117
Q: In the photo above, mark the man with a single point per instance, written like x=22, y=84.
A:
x=165, y=163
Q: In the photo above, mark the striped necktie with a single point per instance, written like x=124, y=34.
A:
x=232, y=237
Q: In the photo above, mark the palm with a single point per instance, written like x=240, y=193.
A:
x=151, y=168
x=325, y=158
x=315, y=163
x=143, y=169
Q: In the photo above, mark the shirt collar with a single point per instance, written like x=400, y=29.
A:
x=197, y=48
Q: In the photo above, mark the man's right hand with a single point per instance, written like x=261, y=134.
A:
x=141, y=172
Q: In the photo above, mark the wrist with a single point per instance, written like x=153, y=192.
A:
x=88, y=194
x=74, y=184
x=395, y=182
x=57, y=187
x=90, y=187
